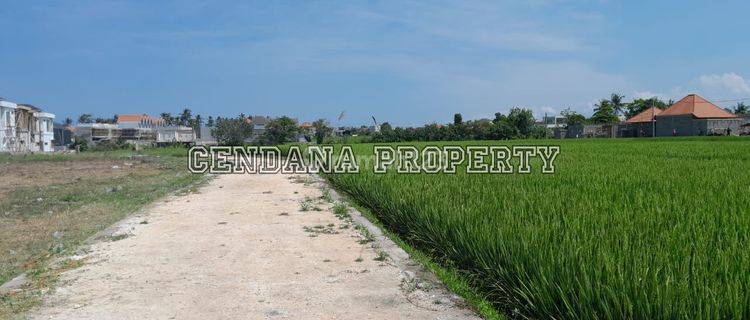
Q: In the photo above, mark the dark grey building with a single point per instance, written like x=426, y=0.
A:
x=695, y=116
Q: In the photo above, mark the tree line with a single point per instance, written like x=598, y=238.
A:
x=519, y=123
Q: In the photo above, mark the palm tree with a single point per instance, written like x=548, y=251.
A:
x=604, y=113
x=616, y=100
x=167, y=117
x=185, y=117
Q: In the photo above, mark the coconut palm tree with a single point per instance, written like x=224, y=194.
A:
x=186, y=116
x=616, y=101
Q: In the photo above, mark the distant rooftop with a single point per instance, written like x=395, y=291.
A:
x=645, y=116
x=26, y=105
x=698, y=107
x=139, y=118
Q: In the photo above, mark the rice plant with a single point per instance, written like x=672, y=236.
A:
x=625, y=229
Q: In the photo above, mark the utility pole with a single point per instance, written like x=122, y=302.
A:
x=653, y=119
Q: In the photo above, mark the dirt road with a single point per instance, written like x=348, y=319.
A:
x=243, y=248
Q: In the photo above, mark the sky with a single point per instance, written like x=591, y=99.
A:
x=403, y=62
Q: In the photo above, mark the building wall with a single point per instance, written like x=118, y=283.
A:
x=720, y=126
x=27, y=138
x=675, y=126
x=7, y=126
x=686, y=125
x=179, y=134
x=45, y=129
x=633, y=130
x=205, y=137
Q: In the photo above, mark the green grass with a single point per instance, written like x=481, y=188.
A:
x=644, y=229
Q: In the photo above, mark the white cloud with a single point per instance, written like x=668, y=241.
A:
x=648, y=94
x=488, y=24
x=549, y=110
x=728, y=82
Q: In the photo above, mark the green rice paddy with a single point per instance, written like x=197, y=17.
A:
x=643, y=229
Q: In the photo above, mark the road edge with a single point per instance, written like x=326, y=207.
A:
x=404, y=255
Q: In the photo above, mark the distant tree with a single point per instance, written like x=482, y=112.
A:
x=430, y=132
x=210, y=121
x=167, y=117
x=499, y=117
x=322, y=130
x=522, y=120
x=232, y=132
x=538, y=132
x=572, y=118
x=85, y=118
x=68, y=121
x=458, y=119
x=617, y=103
x=185, y=117
x=279, y=131
x=385, y=127
x=479, y=129
x=604, y=113
x=502, y=130
x=104, y=120
x=640, y=105
x=741, y=109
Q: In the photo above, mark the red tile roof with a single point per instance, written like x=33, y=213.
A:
x=698, y=107
x=140, y=118
x=645, y=116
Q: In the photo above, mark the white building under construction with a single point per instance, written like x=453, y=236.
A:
x=25, y=128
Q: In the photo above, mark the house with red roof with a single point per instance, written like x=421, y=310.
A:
x=691, y=116
x=696, y=116
x=640, y=125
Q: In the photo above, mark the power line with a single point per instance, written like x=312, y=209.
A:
x=732, y=100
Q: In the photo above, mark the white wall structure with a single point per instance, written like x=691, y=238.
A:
x=45, y=129
x=7, y=126
x=175, y=134
x=25, y=128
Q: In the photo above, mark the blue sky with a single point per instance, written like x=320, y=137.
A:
x=405, y=62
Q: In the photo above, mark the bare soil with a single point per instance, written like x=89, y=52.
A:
x=242, y=247
x=20, y=175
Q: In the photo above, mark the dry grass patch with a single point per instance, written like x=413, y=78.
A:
x=49, y=206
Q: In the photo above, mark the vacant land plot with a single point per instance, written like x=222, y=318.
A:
x=49, y=204
x=646, y=229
